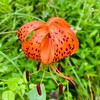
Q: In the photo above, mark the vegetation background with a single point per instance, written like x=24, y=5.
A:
x=84, y=66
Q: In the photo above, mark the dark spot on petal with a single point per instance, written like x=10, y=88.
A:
x=73, y=48
x=66, y=49
x=31, y=43
x=36, y=55
x=56, y=54
x=66, y=40
x=67, y=37
x=69, y=45
x=61, y=48
x=56, y=33
x=61, y=42
x=72, y=40
x=38, y=50
x=62, y=54
x=63, y=39
x=62, y=32
x=57, y=45
x=58, y=40
x=64, y=35
x=57, y=50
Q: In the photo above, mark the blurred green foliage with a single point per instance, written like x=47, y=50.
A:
x=84, y=66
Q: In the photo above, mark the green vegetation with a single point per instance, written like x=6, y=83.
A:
x=84, y=66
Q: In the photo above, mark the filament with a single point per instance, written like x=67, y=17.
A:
x=43, y=74
x=37, y=71
x=53, y=77
x=61, y=75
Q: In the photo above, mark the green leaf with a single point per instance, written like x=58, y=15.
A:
x=8, y=95
x=93, y=33
x=33, y=95
x=12, y=83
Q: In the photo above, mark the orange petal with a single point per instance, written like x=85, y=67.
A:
x=34, y=44
x=26, y=29
x=59, y=36
x=58, y=20
x=46, y=51
x=75, y=40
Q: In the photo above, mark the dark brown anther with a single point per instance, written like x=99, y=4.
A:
x=39, y=89
x=72, y=82
x=58, y=68
x=38, y=66
x=60, y=88
x=27, y=76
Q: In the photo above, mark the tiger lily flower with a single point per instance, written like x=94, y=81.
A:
x=49, y=43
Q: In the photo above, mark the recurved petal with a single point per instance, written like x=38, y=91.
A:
x=34, y=44
x=26, y=29
x=59, y=21
x=75, y=41
x=60, y=41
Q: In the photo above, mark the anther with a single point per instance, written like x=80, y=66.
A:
x=58, y=68
x=39, y=89
x=27, y=76
x=60, y=88
x=38, y=66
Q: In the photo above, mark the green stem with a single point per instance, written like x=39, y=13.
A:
x=20, y=95
x=8, y=32
x=77, y=77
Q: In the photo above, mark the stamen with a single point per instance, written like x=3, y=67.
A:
x=60, y=88
x=39, y=89
x=38, y=66
x=37, y=71
x=43, y=74
x=61, y=75
x=27, y=76
x=58, y=68
x=53, y=77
